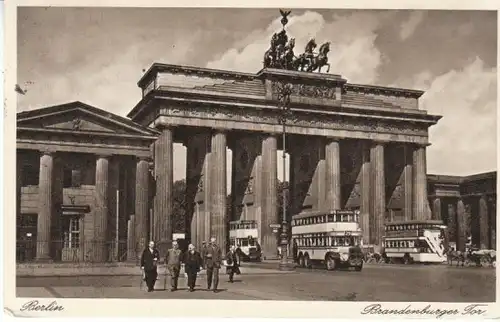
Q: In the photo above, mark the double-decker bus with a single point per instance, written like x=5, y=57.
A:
x=329, y=238
x=420, y=241
x=244, y=234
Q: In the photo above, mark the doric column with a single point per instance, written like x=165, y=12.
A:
x=45, y=206
x=141, y=203
x=408, y=182
x=101, y=211
x=131, y=242
x=219, y=191
x=365, y=194
x=333, y=188
x=420, y=198
x=378, y=192
x=436, y=209
x=462, y=231
x=269, y=195
x=164, y=185
x=483, y=223
x=452, y=221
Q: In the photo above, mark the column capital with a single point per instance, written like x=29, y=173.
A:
x=162, y=127
x=47, y=151
x=221, y=130
x=333, y=138
x=143, y=158
x=106, y=156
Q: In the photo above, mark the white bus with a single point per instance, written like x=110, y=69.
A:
x=244, y=235
x=329, y=238
x=422, y=241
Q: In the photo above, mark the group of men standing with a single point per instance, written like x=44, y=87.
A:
x=210, y=259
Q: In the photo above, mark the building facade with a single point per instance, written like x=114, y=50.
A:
x=93, y=186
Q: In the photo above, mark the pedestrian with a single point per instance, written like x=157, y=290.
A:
x=233, y=263
x=212, y=257
x=192, y=264
x=173, y=260
x=149, y=265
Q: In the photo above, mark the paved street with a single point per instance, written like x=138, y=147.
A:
x=374, y=283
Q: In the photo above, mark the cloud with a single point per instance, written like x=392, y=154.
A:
x=464, y=140
x=353, y=54
x=409, y=26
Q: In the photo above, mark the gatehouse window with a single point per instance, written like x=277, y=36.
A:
x=30, y=175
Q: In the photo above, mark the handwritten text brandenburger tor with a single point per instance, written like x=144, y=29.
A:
x=412, y=309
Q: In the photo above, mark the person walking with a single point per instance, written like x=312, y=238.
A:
x=149, y=265
x=212, y=257
x=192, y=264
x=173, y=260
x=233, y=263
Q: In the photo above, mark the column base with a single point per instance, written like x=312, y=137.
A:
x=286, y=264
x=43, y=260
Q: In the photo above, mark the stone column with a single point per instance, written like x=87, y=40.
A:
x=378, y=193
x=269, y=196
x=141, y=203
x=452, y=221
x=436, y=207
x=420, y=198
x=408, y=183
x=365, y=194
x=101, y=212
x=45, y=206
x=333, y=188
x=483, y=223
x=461, y=235
x=131, y=242
x=164, y=186
x=219, y=192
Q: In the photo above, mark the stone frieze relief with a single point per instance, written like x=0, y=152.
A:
x=302, y=119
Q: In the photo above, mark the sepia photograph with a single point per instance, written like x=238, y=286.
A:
x=262, y=154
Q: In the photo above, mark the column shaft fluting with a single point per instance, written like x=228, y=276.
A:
x=365, y=194
x=333, y=187
x=484, y=223
x=269, y=195
x=101, y=212
x=45, y=206
x=219, y=192
x=164, y=186
x=461, y=217
x=378, y=193
x=408, y=183
x=436, y=207
x=420, y=197
x=141, y=203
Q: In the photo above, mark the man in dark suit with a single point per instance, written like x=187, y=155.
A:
x=149, y=264
x=192, y=264
x=212, y=257
x=173, y=261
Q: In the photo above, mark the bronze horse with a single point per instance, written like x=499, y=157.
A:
x=321, y=60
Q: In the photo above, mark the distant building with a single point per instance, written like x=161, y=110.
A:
x=467, y=205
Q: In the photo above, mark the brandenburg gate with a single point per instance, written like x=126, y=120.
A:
x=351, y=146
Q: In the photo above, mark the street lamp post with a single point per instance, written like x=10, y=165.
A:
x=284, y=91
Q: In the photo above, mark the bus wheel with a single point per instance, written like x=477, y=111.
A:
x=406, y=259
x=307, y=261
x=330, y=262
x=359, y=268
x=301, y=261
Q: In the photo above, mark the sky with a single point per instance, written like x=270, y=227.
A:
x=97, y=55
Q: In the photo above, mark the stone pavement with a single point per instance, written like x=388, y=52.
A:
x=108, y=269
